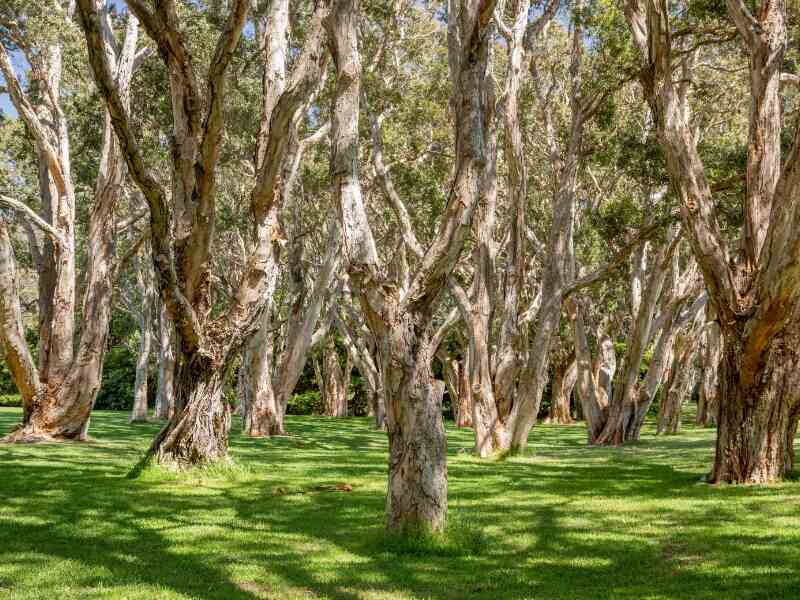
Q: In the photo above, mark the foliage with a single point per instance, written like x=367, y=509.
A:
x=307, y=403
x=10, y=400
x=119, y=376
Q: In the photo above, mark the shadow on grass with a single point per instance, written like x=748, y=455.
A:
x=566, y=522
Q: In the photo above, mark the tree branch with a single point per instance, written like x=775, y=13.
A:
x=181, y=311
x=28, y=114
x=33, y=218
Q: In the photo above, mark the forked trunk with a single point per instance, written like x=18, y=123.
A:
x=757, y=425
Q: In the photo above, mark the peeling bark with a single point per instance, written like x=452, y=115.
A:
x=564, y=378
x=710, y=356
x=182, y=220
x=399, y=315
x=69, y=372
x=165, y=393
x=334, y=380
x=755, y=297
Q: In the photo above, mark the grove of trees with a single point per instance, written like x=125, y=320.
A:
x=504, y=211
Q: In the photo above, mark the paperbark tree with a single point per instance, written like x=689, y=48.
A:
x=755, y=295
x=456, y=374
x=494, y=365
x=621, y=403
x=361, y=346
x=165, y=391
x=182, y=220
x=59, y=392
x=400, y=313
x=679, y=385
x=269, y=377
x=506, y=408
x=333, y=379
x=142, y=305
x=565, y=376
x=709, y=356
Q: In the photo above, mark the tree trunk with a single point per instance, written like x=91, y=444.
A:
x=139, y=412
x=165, y=395
x=182, y=219
x=363, y=355
x=417, y=494
x=144, y=315
x=757, y=425
x=755, y=299
x=457, y=382
x=335, y=381
x=564, y=379
x=262, y=414
x=198, y=434
x=678, y=386
x=621, y=407
x=710, y=356
x=401, y=319
x=592, y=397
x=669, y=411
x=464, y=394
x=69, y=375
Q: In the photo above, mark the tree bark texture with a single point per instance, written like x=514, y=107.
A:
x=399, y=314
x=564, y=378
x=165, y=393
x=60, y=392
x=182, y=220
x=755, y=297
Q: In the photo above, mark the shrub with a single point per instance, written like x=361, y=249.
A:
x=10, y=400
x=307, y=403
x=119, y=377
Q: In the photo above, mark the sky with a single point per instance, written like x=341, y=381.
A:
x=6, y=107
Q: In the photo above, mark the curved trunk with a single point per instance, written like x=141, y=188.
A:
x=198, y=433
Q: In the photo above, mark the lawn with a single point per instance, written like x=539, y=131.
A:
x=566, y=521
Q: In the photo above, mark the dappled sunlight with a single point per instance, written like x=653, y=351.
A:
x=564, y=521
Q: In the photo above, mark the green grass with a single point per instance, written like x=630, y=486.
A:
x=565, y=521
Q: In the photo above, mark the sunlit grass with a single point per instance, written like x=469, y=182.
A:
x=302, y=517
